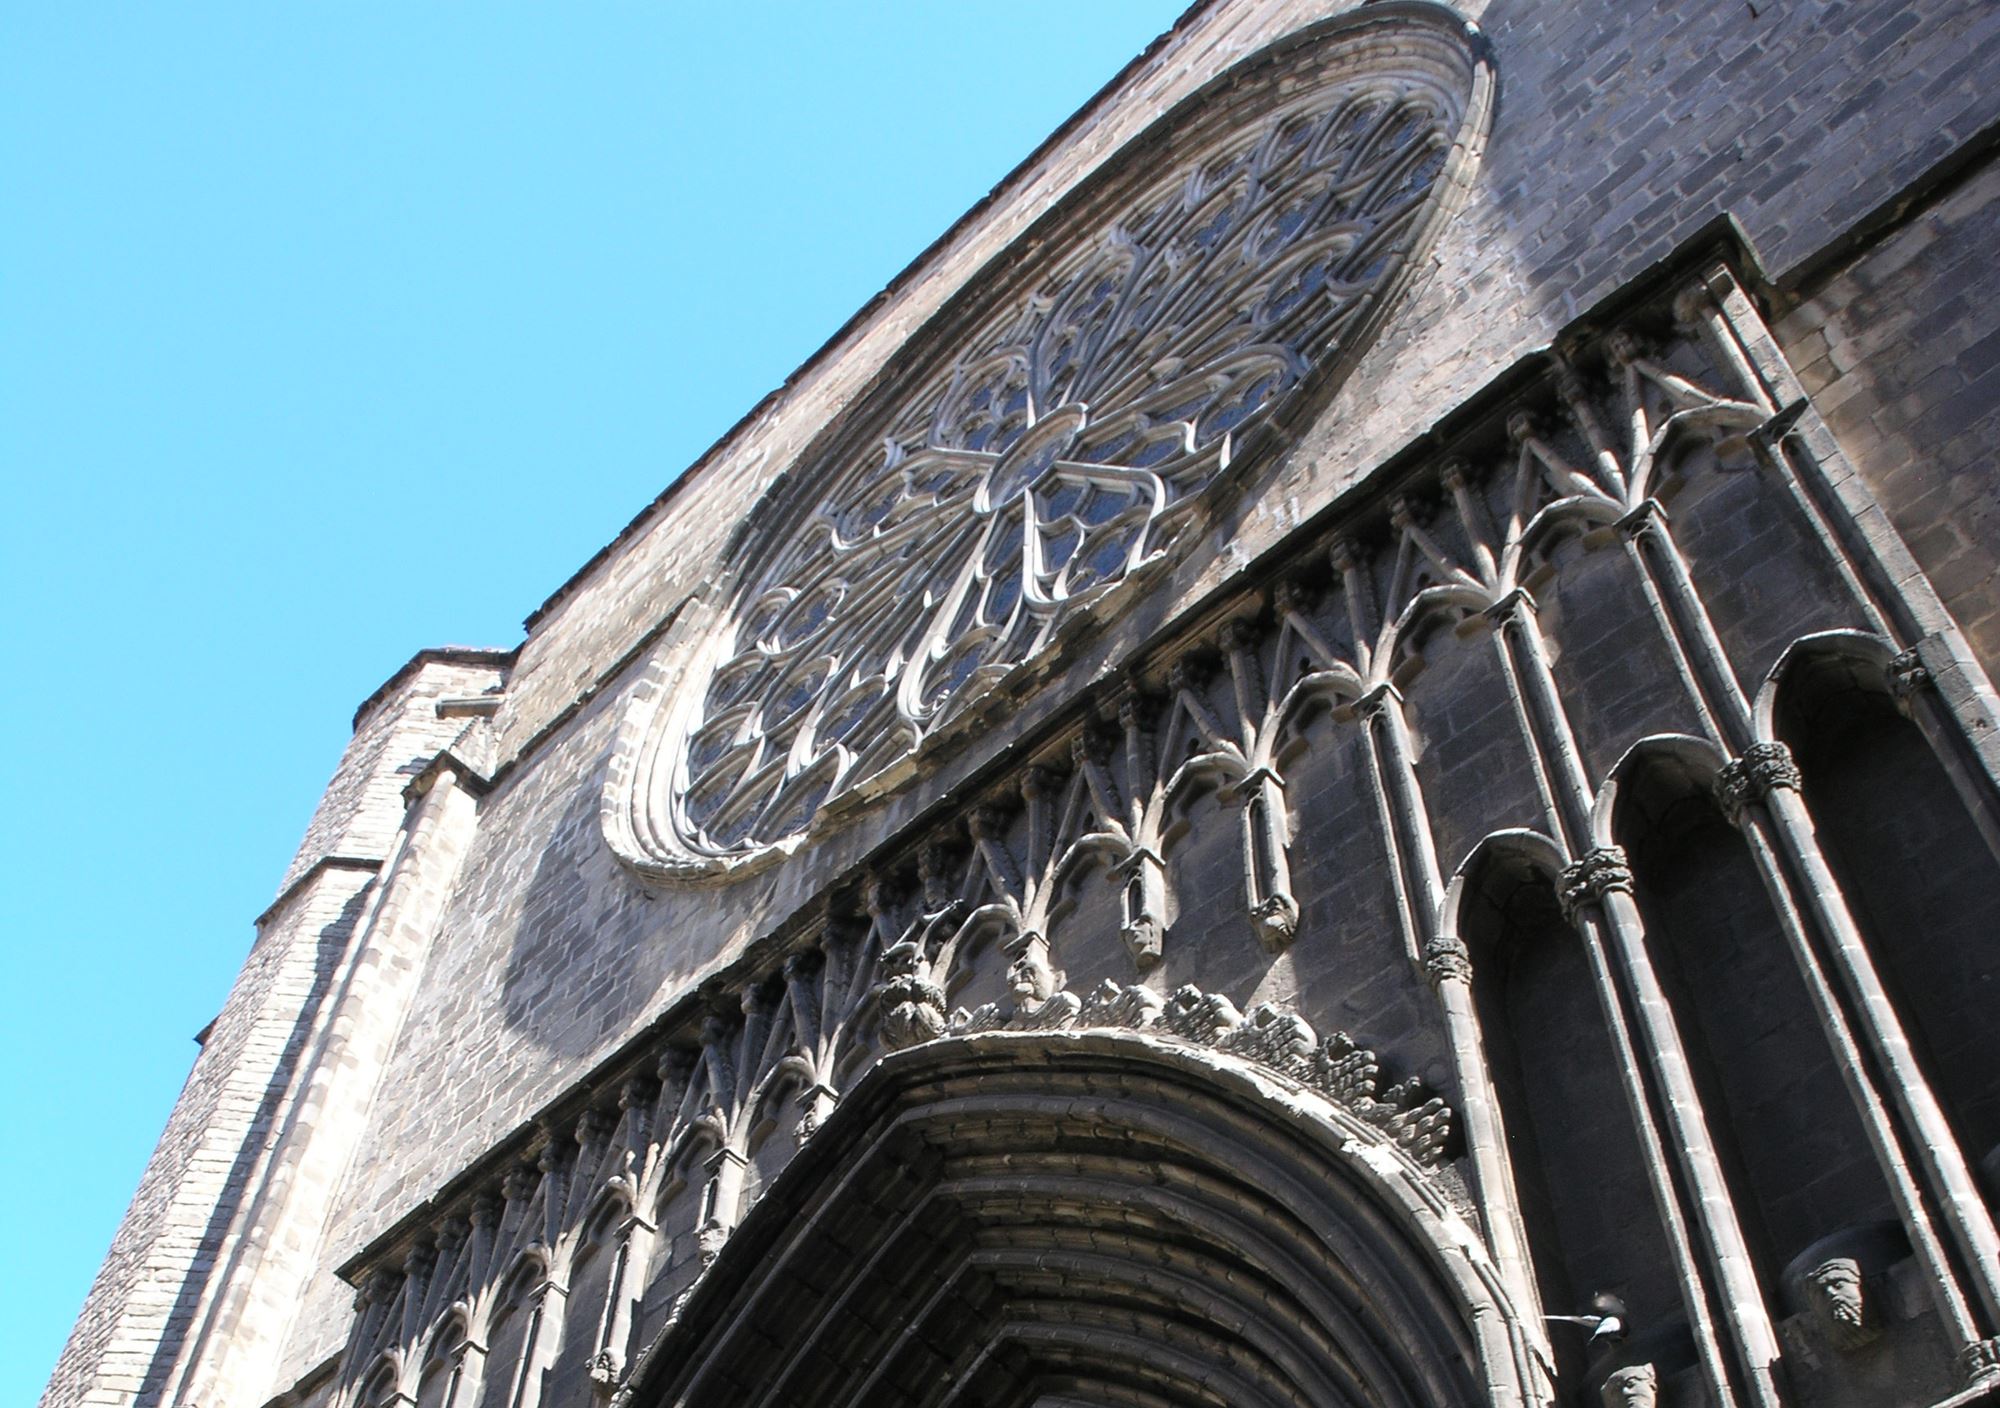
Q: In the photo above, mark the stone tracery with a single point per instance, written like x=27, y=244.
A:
x=948, y=538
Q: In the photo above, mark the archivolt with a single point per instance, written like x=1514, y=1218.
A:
x=1037, y=1218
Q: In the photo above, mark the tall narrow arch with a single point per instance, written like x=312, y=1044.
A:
x=1795, y=1150
x=1031, y=1218
x=1572, y=1145
x=1910, y=856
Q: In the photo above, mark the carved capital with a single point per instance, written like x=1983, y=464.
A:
x=486, y=1210
x=1187, y=673
x=519, y=1183
x=1691, y=305
x=716, y=1030
x=1592, y=876
x=1908, y=676
x=987, y=822
x=875, y=891
x=1446, y=959
x=675, y=1066
x=1342, y=554
x=1980, y=1360
x=1751, y=777
x=1131, y=717
x=1090, y=746
x=595, y=1126
x=801, y=966
x=418, y=1260
x=1569, y=383
x=934, y=871
x=1454, y=474
x=379, y=1288
x=1520, y=427
x=1293, y=598
x=452, y=1232
x=1623, y=348
x=1039, y=781
x=1238, y=634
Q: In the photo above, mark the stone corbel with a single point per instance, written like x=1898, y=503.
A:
x=1908, y=676
x=1646, y=519
x=1144, y=902
x=1274, y=913
x=910, y=1006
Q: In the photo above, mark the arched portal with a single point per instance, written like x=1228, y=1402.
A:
x=1031, y=1219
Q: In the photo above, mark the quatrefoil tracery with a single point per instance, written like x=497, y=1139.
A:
x=950, y=538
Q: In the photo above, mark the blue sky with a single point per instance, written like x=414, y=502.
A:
x=330, y=332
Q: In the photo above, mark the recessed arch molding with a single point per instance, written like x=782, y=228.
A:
x=1011, y=1219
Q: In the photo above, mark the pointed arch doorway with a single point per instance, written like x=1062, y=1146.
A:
x=1058, y=1219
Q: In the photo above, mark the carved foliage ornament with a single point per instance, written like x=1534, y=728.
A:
x=1102, y=378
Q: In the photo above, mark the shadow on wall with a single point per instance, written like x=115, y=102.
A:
x=585, y=960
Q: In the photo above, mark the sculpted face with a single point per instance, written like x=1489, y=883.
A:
x=1030, y=978
x=1834, y=1289
x=1634, y=1386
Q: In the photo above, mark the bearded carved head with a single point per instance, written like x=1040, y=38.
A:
x=1834, y=1290
x=912, y=1005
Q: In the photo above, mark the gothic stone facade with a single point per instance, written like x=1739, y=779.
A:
x=1344, y=753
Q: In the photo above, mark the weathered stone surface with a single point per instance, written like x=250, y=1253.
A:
x=1557, y=769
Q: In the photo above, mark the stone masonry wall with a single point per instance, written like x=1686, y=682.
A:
x=1591, y=172
x=1621, y=131
x=1900, y=347
x=241, y=1086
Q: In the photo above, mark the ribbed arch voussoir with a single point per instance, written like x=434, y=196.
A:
x=1014, y=1218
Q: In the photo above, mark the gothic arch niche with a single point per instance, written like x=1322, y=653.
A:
x=1791, y=1142
x=1046, y=439
x=1027, y=1218
x=1910, y=858
x=1578, y=1167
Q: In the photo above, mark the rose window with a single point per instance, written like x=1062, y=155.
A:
x=966, y=514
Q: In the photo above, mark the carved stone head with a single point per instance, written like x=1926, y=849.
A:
x=1633, y=1386
x=912, y=1005
x=1834, y=1289
x=1029, y=977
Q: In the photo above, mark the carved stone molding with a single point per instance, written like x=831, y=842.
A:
x=1749, y=779
x=1417, y=1121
